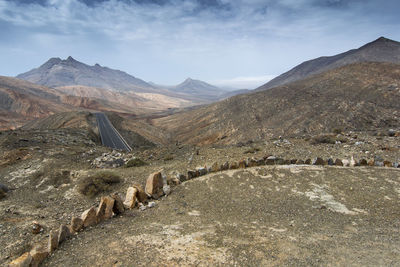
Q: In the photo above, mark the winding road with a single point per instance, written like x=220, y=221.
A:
x=110, y=137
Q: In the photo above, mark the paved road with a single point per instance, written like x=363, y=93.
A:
x=109, y=135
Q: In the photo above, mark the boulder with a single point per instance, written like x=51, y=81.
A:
x=300, y=162
x=38, y=254
x=318, y=161
x=104, y=211
x=363, y=162
x=331, y=162
x=251, y=162
x=23, y=261
x=215, y=167
x=371, y=162
x=352, y=162
x=225, y=166
x=387, y=163
x=173, y=181
x=154, y=185
x=53, y=241
x=379, y=163
x=293, y=161
x=346, y=162
x=242, y=164
x=89, y=217
x=118, y=207
x=63, y=233
x=202, y=171
x=141, y=195
x=233, y=166
x=182, y=177
x=191, y=174
x=76, y=224
x=396, y=165
x=338, y=162
x=260, y=162
x=271, y=160
x=130, y=199
x=307, y=161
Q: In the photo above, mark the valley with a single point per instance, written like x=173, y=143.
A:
x=302, y=171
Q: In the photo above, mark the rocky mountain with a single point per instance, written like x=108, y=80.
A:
x=57, y=72
x=380, y=50
x=362, y=96
x=193, y=89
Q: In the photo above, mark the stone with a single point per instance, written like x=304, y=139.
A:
x=154, y=185
x=63, y=233
x=202, y=171
x=38, y=254
x=271, y=160
x=141, y=195
x=233, y=166
x=76, y=224
x=363, y=162
x=300, y=162
x=352, y=162
x=260, y=162
x=371, y=162
x=318, y=161
x=396, y=165
x=118, y=207
x=346, y=162
x=53, y=241
x=387, y=163
x=104, y=211
x=173, y=181
x=181, y=177
x=151, y=204
x=166, y=190
x=293, y=161
x=23, y=261
x=130, y=198
x=242, y=164
x=379, y=163
x=251, y=162
x=330, y=162
x=338, y=162
x=225, y=166
x=191, y=174
x=89, y=217
x=36, y=228
x=307, y=161
x=285, y=162
x=215, y=167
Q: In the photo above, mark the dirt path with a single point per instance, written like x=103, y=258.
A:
x=264, y=216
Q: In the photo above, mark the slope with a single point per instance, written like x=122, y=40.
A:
x=362, y=96
x=380, y=50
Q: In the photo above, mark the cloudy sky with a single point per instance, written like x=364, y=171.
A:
x=234, y=43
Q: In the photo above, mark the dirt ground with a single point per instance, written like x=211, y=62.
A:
x=259, y=216
x=263, y=216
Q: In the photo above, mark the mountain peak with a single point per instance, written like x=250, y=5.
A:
x=51, y=62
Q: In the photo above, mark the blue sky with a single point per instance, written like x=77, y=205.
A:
x=235, y=43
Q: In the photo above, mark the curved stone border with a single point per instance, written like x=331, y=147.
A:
x=157, y=185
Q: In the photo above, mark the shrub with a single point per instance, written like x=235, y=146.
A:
x=135, y=162
x=97, y=183
x=168, y=157
x=323, y=139
x=251, y=150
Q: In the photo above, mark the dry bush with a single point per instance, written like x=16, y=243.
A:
x=323, y=139
x=97, y=183
x=251, y=150
x=135, y=162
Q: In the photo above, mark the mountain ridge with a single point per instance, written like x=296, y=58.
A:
x=379, y=50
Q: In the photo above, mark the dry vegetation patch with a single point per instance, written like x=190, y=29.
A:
x=97, y=183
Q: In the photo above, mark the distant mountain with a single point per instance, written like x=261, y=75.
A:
x=380, y=50
x=362, y=96
x=199, y=89
x=57, y=72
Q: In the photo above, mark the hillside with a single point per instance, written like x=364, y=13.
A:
x=380, y=50
x=362, y=96
x=22, y=101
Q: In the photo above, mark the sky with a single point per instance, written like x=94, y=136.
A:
x=237, y=44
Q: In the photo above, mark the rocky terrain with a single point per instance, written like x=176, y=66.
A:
x=270, y=215
x=380, y=50
x=361, y=96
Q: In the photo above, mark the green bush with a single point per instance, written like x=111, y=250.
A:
x=97, y=183
x=135, y=162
